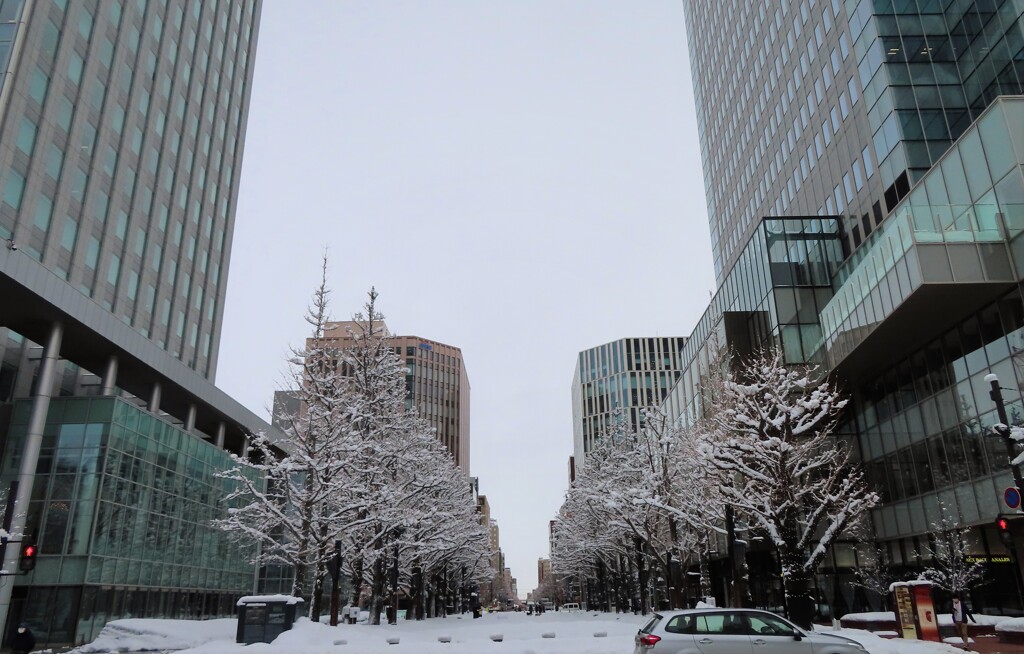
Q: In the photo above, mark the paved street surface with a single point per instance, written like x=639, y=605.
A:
x=991, y=645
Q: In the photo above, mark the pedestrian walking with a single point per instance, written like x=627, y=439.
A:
x=23, y=641
x=961, y=614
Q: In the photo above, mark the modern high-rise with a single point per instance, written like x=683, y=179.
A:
x=121, y=135
x=864, y=169
x=848, y=104
x=617, y=381
x=437, y=385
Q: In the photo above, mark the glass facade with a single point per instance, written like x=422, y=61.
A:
x=847, y=106
x=10, y=10
x=787, y=134
x=120, y=149
x=122, y=508
x=957, y=226
x=895, y=117
x=772, y=296
x=929, y=70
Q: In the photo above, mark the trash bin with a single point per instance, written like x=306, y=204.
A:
x=262, y=618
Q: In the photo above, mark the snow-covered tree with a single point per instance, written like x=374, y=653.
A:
x=791, y=477
x=405, y=503
x=356, y=465
x=288, y=506
x=948, y=544
x=642, y=498
x=876, y=574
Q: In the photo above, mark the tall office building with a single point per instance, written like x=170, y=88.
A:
x=121, y=133
x=866, y=196
x=436, y=385
x=616, y=382
x=848, y=104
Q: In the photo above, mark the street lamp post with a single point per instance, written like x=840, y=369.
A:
x=1003, y=429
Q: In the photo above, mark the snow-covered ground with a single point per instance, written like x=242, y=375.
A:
x=573, y=633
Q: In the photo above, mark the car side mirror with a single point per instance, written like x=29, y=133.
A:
x=797, y=636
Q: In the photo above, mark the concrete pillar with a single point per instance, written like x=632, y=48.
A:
x=245, y=447
x=109, y=376
x=30, y=459
x=154, y=399
x=221, y=429
x=190, y=419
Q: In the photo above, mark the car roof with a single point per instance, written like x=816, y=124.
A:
x=708, y=609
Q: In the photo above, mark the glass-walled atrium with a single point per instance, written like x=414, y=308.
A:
x=122, y=509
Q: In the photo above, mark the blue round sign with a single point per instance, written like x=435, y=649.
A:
x=1012, y=497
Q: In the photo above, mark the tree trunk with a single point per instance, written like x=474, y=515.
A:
x=377, y=588
x=705, y=577
x=799, y=598
x=675, y=586
x=417, y=594
x=641, y=573
x=299, y=580
x=318, y=597
x=624, y=586
x=357, y=579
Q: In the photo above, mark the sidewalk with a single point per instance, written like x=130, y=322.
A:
x=991, y=645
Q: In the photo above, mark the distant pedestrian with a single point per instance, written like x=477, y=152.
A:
x=23, y=641
x=961, y=614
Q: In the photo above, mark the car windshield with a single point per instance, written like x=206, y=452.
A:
x=762, y=623
x=651, y=624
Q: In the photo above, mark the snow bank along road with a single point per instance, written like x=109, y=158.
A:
x=574, y=633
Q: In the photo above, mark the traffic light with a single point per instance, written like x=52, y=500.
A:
x=1003, y=525
x=29, y=551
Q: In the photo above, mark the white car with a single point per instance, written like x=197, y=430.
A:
x=734, y=631
x=571, y=606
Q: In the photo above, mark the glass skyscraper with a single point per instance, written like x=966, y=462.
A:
x=121, y=134
x=846, y=106
x=900, y=124
x=122, y=124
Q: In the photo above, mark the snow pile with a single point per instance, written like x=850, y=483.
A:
x=265, y=599
x=875, y=616
x=1015, y=625
x=576, y=633
x=522, y=633
x=876, y=645
x=945, y=619
x=991, y=620
x=151, y=635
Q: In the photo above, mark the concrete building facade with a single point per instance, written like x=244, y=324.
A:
x=615, y=382
x=436, y=385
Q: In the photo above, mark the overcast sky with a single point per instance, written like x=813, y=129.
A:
x=520, y=179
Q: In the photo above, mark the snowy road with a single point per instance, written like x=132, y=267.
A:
x=550, y=633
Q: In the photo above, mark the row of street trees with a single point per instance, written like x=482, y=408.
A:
x=358, y=467
x=649, y=503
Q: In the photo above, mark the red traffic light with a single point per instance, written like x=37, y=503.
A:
x=1003, y=525
x=27, y=563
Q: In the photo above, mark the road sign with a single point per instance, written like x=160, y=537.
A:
x=1012, y=497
